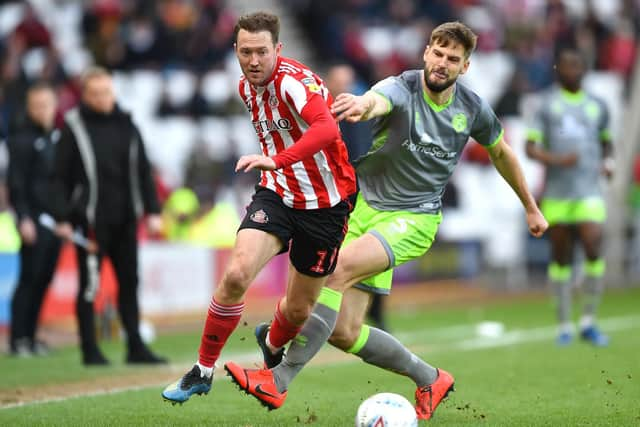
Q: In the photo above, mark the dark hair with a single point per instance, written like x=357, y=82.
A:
x=569, y=49
x=40, y=85
x=454, y=32
x=256, y=22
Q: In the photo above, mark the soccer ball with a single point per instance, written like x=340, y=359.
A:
x=386, y=410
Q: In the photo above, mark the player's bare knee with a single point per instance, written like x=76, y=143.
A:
x=298, y=314
x=343, y=338
x=339, y=279
x=235, y=282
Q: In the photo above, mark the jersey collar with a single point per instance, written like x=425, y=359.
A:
x=435, y=107
x=572, y=97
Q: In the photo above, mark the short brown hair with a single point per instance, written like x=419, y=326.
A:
x=93, y=72
x=40, y=85
x=256, y=22
x=454, y=32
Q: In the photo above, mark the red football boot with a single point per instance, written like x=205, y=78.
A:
x=258, y=383
x=429, y=397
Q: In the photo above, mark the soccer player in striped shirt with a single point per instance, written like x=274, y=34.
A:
x=422, y=120
x=301, y=203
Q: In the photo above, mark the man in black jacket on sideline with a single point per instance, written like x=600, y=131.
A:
x=102, y=184
x=31, y=153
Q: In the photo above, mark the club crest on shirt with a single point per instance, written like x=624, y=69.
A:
x=592, y=110
x=55, y=136
x=40, y=144
x=260, y=217
x=459, y=122
x=273, y=101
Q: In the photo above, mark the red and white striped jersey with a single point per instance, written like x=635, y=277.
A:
x=321, y=179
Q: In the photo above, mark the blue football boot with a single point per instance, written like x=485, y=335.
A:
x=193, y=382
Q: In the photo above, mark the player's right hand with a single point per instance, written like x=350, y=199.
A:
x=349, y=107
x=567, y=160
x=28, y=231
x=64, y=230
x=92, y=247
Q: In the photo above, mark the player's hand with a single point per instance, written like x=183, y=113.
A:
x=92, y=246
x=608, y=165
x=349, y=107
x=64, y=230
x=537, y=223
x=566, y=160
x=28, y=231
x=255, y=161
x=154, y=224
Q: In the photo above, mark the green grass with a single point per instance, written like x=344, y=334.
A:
x=527, y=383
x=63, y=365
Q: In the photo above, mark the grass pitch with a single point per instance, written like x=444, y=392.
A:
x=517, y=378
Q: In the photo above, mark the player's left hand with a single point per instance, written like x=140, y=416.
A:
x=608, y=166
x=255, y=161
x=537, y=223
x=154, y=224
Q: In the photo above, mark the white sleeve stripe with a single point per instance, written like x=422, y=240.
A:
x=293, y=67
x=296, y=91
x=287, y=69
x=327, y=177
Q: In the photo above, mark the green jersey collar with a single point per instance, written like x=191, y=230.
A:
x=435, y=107
x=572, y=97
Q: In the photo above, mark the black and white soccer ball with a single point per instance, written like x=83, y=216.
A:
x=386, y=410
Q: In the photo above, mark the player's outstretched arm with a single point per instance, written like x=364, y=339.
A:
x=354, y=108
x=536, y=152
x=506, y=163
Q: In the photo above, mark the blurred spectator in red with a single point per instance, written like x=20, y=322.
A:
x=618, y=52
x=32, y=31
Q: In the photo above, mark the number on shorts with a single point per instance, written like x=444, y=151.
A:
x=322, y=255
x=400, y=225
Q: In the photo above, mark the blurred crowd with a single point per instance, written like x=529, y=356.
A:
x=169, y=60
x=174, y=67
x=383, y=37
x=54, y=41
x=179, y=50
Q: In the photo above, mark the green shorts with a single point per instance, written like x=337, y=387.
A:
x=404, y=235
x=568, y=211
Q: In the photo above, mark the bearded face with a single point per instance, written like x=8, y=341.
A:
x=443, y=64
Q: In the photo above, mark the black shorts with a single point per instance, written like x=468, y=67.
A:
x=313, y=237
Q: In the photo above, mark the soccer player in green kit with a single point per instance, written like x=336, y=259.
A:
x=570, y=136
x=422, y=120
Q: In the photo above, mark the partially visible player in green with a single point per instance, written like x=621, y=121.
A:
x=422, y=120
x=570, y=136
